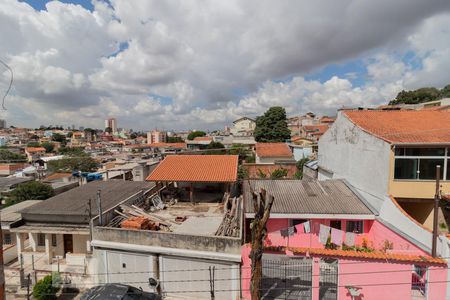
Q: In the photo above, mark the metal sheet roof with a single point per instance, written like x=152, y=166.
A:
x=307, y=197
x=11, y=213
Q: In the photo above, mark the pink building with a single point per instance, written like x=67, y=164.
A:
x=324, y=241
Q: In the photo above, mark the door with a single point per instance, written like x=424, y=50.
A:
x=286, y=278
x=328, y=282
x=68, y=243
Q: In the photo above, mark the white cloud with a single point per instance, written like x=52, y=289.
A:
x=216, y=61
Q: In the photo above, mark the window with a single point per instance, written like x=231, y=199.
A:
x=420, y=163
x=54, y=243
x=7, y=239
x=336, y=224
x=355, y=226
x=41, y=239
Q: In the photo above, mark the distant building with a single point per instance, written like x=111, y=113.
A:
x=243, y=127
x=112, y=123
x=156, y=136
x=2, y=123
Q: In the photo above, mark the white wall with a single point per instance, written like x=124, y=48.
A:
x=80, y=243
x=351, y=153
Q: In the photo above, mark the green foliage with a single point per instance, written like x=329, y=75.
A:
x=34, y=144
x=175, y=139
x=34, y=137
x=72, y=151
x=133, y=136
x=108, y=129
x=59, y=138
x=47, y=287
x=195, y=134
x=83, y=163
x=33, y=190
x=48, y=147
x=421, y=95
x=69, y=134
x=6, y=155
x=251, y=158
x=299, y=165
x=215, y=145
x=261, y=174
x=241, y=150
x=279, y=173
x=242, y=173
x=272, y=126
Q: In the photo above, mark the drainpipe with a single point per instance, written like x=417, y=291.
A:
x=436, y=212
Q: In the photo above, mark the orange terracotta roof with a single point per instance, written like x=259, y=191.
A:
x=196, y=168
x=377, y=255
x=203, y=138
x=327, y=120
x=168, y=145
x=273, y=150
x=35, y=149
x=316, y=129
x=405, y=126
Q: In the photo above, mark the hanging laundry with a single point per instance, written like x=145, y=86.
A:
x=323, y=233
x=284, y=233
x=291, y=230
x=349, y=238
x=307, y=227
x=336, y=236
x=299, y=228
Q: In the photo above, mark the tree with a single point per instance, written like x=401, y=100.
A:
x=299, y=165
x=47, y=287
x=133, y=136
x=33, y=190
x=241, y=150
x=421, y=95
x=214, y=146
x=73, y=163
x=108, y=129
x=279, y=173
x=6, y=155
x=69, y=134
x=272, y=126
x=34, y=137
x=195, y=134
x=175, y=139
x=58, y=138
x=48, y=147
x=72, y=151
x=33, y=144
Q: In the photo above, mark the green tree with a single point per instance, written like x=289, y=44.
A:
x=6, y=155
x=34, y=137
x=59, y=138
x=72, y=151
x=108, y=129
x=299, y=165
x=175, y=139
x=33, y=190
x=195, y=134
x=279, y=173
x=272, y=126
x=69, y=134
x=83, y=163
x=33, y=144
x=47, y=287
x=48, y=147
x=421, y=95
x=133, y=136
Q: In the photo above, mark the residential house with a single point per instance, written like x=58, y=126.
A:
x=34, y=153
x=10, y=218
x=391, y=153
x=199, y=143
x=8, y=184
x=7, y=169
x=270, y=153
x=156, y=136
x=183, y=254
x=58, y=228
x=324, y=241
x=313, y=132
x=243, y=127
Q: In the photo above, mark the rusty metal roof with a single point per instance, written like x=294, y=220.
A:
x=307, y=197
x=196, y=168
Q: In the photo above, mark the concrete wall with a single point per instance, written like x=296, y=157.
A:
x=80, y=243
x=350, y=153
x=167, y=239
x=270, y=160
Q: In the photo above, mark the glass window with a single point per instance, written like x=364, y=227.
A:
x=7, y=239
x=424, y=151
x=355, y=226
x=406, y=168
x=41, y=239
x=336, y=224
x=54, y=243
x=448, y=169
x=427, y=168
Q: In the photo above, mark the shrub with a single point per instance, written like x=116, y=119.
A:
x=47, y=287
x=279, y=173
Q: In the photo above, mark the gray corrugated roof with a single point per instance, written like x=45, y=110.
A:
x=7, y=182
x=11, y=213
x=75, y=201
x=307, y=197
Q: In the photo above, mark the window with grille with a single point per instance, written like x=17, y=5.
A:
x=41, y=239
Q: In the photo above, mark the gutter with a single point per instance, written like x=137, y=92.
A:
x=168, y=251
x=360, y=197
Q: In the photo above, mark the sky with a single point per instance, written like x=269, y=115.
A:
x=193, y=64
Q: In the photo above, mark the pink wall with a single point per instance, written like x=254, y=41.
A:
x=378, y=279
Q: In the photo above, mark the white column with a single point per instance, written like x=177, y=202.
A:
x=20, y=240
x=32, y=237
x=48, y=252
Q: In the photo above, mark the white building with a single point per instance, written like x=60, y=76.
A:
x=111, y=123
x=243, y=127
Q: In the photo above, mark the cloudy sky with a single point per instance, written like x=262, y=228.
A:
x=201, y=64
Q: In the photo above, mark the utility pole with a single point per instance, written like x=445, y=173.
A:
x=261, y=207
x=99, y=204
x=437, y=198
x=2, y=271
x=90, y=218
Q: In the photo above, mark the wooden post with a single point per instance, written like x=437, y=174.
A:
x=436, y=212
x=261, y=207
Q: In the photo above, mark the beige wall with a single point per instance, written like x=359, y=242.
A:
x=413, y=188
x=80, y=243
